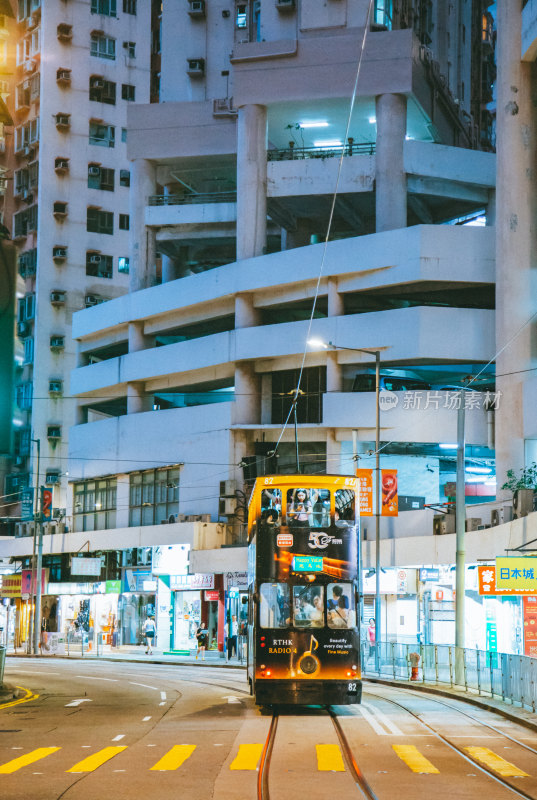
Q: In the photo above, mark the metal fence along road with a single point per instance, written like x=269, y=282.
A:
x=2, y=663
x=511, y=677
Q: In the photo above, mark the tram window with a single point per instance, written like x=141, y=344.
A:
x=308, y=606
x=274, y=611
x=341, y=613
x=308, y=508
x=271, y=506
x=345, y=508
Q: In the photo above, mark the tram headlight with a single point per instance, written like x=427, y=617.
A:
x=354, y=666
x=263, y=666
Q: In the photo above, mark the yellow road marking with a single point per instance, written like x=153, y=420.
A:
x=27, y=697
x=329, y=758
x=497, y=763
x=175, y=757
x=96, y=760
x=414, y=759
x=247, y=757
x=29, y=758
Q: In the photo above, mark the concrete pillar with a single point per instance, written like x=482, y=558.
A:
x=251, y=181
x=335, y=299
x=333, y=452
x=300, y=237
x=247, y=404
x=137, y=339
x=246, y=315
x=390, y=176
x=334, y=376
x=81, y=414
x=491, y=208
x=516, y=239
x=142, y=240
x=136, y=397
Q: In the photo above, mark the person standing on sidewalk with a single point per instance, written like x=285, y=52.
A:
x=232, y=638
x=149, y=630
x=371, y=637
x=202, y=635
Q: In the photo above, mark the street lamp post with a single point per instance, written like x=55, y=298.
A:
x=376, y=353
x=33, y=611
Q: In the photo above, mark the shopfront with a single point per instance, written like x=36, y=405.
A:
x=194, y=599
x=236, y=593
x=136, y=603
x=78, y=612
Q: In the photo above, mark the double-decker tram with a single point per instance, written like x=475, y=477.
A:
x=303, y=566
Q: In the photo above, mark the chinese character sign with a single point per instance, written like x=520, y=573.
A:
x=517, y=574
x=530, y=626
x=365, y=478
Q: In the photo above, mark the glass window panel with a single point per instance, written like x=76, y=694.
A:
x=308, y=606
x=271, y=506
x=308, y=508
x=135, y=516
x=147, y=515
x=274, y=609
x=345, y=508
x=340, y=604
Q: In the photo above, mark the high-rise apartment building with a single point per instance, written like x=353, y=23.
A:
x=77, y=69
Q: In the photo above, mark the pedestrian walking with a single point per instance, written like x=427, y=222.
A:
x=232, y=637
x=371, y=637
x=149, y=631
x=202, y=636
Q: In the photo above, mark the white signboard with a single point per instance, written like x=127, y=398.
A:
x=196, y=582
x=85, y=566
x=170, y=559
x=235, y=580
x=202, y=581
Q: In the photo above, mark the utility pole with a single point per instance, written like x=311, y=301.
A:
x=378, y=509
x=31, y=621
x=37, y=614
x=460, y=523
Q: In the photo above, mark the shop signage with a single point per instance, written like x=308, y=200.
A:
x=72, y=588
x=27, y=504
x=517, y=574
x=238, y=580
x=365, y=478
x=113, y=587
x=402, y=581
x=85, y=566
x=307, y=564
x=11, y=585
x=133, y=579
x=202, y=580
x=170, y=559
x=29, y=583
x=429, y=574
x=486, y=576
x=530, y=626
x=180, y=583
x=212, y=596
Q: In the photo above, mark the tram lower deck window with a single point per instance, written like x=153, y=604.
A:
x=340, y=604
x=308, y=606
x=274, y=608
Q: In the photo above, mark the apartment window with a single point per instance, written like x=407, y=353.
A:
x=101, y=91
x=241, y=19
x=25, y=221
x=26, y=308
x=22, y=442
x=106, y=7
x=102, y=46
x=27, y=92
x=123, y=134
x=154, y=496
x=14, y=483
x=129, y=6
x=103, y=135
x=27, y=134
x=383, y=13
x=99, y=221
x=124, y=177
x=128, y=92
x=94, y=505
x=130, y=47
x=28, y=351
x=124, y=222
x=27, y=7
x=28, y=263
x=98, y=265
x=123, y=265
x=309, y=407
x=23, y=395
x=100, y=178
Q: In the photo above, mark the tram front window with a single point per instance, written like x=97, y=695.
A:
x=308, y=508
x=340, y=603
x=274, y=609
x=308, y=606
x=345, y=508
x=271, y=506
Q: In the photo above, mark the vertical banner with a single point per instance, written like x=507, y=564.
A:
x=8, y=258
x=530, y=626
x=46, y=504
x=390, y=501
x=365, y=478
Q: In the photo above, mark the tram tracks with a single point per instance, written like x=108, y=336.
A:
x=519, y=792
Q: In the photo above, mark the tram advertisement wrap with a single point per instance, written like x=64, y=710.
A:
x=326, y=654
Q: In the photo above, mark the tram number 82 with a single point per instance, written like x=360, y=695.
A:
x=352, y=688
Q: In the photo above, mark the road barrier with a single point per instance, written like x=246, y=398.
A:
x=511, y=677
x=2, y=663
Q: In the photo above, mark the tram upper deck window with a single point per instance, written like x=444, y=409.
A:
x=345, y=508
x=308, y=606
x=274, y=609
x=340, y=604
x=271, y=506
x=308, y=508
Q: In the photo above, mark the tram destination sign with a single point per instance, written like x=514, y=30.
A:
x=307, y=564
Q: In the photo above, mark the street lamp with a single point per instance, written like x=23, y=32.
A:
x=33, y=609
x=326, y=345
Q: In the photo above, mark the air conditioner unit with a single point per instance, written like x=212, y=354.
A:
x=223, y=107
x=443, y=523
x=52, y=478
x=23, y=329
x=285, y=5
x=95, y=259
x=195, y=67
x=59, y=253
x=523, y=503
x=19, y=461
x=63, y=75
x=61, y=165
x=227, y=506
x=27, y=151
x=57, y=298
x=92, y=300
x=196, y=8
x=60, y=210
x=24, y=529
x=27, y=195
x=57, y=342
x=64, y=32
x=63, y=120
x=228, y=488
x=55, y=386
x=473, y=524
x=28, y=67
x=97, y=83
x=54, y=432
x=94, y=172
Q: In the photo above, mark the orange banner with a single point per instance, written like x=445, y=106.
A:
x=487, y=584
x=390, y=500
x=365, y=477
x=530, y=626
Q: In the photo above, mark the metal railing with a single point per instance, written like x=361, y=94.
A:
x=192, y=199
x=298, y=153
x=2, y=663
x=511, y=677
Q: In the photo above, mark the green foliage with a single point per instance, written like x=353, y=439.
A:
x=526, y=480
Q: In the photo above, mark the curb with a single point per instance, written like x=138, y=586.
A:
x=220, y=664
x=486, y=705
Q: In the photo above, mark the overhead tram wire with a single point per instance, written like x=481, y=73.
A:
x=329, y=226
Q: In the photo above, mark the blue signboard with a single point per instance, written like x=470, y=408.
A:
x=429, y=574
x=307, y=564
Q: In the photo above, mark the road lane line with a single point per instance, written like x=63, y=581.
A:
x=414, y=759
x=174, y=758
x=329, y=758
x=96, y=678
x=495, y=762
x=381, y=716
x=372, y=721
x=119, y=737
x=247, y=757
x=145, y=686
x=163, y=695
x=92, y=763
x=75, y=703
x=146, y=719
x=29, y=758
x=26, y=699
